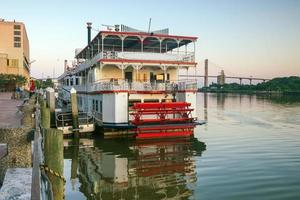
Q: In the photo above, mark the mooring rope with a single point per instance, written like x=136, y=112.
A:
x=47, y=169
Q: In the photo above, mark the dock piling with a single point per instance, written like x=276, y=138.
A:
x=50, y=96
x=54, y=160
x=74, y=108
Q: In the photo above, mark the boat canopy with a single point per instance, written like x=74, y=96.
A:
x=133, y=42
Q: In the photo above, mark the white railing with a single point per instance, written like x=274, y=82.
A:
x=124, y=85
x=176, y=56
x=118, y=84
x=170, y=56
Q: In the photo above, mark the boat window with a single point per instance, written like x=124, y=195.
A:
x=167, y=100
x=93, y=105
x=100, y=106
x=151, y=100
x=97, y=105
x=132, y=101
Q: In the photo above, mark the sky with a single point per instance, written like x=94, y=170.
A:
x=259, y=38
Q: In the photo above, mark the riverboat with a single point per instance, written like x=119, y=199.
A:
x=129, y=80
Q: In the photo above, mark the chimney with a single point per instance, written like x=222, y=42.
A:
x=65, y=65
x=89, y=28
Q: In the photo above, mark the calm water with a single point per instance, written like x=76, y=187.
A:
x=250, y=149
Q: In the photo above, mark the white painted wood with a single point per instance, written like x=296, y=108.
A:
x=189, y=97
x=115, y=107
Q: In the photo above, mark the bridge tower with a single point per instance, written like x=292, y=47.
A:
x=206, y=73
x=221, y=78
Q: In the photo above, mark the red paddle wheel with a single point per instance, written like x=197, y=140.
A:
x=172, y=119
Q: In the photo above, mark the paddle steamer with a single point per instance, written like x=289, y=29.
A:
x=129, y=79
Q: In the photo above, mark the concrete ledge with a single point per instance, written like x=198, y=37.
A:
x=17, y=184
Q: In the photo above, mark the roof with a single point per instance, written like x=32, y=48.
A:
x=184, y=39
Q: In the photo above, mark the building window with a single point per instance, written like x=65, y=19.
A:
x=17, y=26
x=13, y=62
x=17, y=39
x=71, y=81
x=77, y=81
x=17, y=33
x=17, y=44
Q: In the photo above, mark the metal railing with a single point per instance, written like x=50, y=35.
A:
x=168, y=56
x=174, y=56
x=65, y=119
x=125, y=85
x=120, y=84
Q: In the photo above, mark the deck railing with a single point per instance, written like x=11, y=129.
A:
x=117, y=84
x=180, y=56
x=175, y=56
x=65, y=119
x=125, y=85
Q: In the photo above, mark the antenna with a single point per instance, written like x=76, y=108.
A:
x=149, y=25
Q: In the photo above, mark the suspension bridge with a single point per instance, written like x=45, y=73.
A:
x=221, y=79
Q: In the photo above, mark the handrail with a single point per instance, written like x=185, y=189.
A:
x=86, y=118
x=65, y=90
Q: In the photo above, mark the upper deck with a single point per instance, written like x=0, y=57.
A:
x=121, y=46
x=131, y=60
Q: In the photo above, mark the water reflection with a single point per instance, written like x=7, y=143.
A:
x=129, y=169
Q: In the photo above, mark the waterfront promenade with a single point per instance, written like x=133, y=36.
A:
x=15, y=149
x=9, y=115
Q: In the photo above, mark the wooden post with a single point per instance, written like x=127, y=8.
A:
x=45, y=115
x=74, y=107
x=50, y=95
x=74, y=164
x=54, y=159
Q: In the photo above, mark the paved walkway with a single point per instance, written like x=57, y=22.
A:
x=9, y=115
x=17, y=184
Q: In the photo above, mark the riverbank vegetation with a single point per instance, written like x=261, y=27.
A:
x=290, y=85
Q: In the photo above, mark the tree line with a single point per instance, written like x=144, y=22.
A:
x=282, y=84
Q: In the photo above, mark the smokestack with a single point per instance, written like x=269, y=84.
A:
x=65, y=65
x=89, y=28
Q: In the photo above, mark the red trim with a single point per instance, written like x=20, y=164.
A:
x=159, y=134
x=184, y=91
x=134, y=92
x=148, y=92
x=147, y=61
x=108, y=91
x=149, y=35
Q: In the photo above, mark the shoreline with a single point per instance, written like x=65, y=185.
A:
x=296, y=93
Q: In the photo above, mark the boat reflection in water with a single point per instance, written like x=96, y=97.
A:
x=135, y=169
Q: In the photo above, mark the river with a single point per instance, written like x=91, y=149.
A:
x=249, y=149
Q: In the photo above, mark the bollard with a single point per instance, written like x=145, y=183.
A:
x=74, y=113
x=54, y=160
